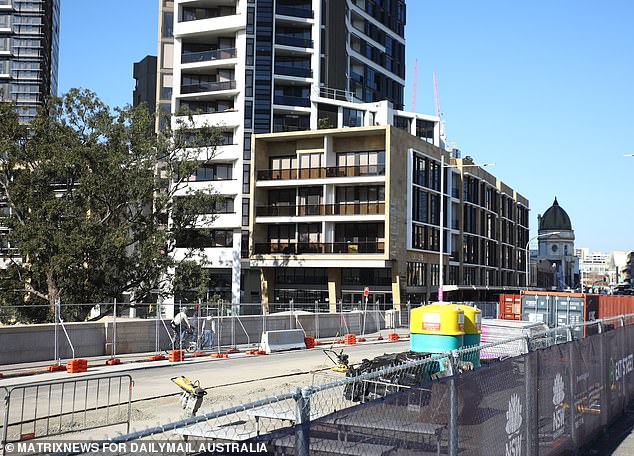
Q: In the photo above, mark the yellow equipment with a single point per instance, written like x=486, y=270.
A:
x=192, y=397
x=339, y=359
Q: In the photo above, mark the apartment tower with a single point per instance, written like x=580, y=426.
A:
x=263, y=66
x=29, y=47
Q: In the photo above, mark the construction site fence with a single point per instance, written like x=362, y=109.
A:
x=548, y=393
x=46, y=409
x=217, y=327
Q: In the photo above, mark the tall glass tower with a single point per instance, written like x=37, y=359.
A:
x=29, y=49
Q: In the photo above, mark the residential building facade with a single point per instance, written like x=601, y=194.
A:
x=336, y=211
x=164, y=61
x=145, y=83
x=29, y=48
x=254, y=67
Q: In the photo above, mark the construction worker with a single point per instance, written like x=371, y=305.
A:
x=180, y=325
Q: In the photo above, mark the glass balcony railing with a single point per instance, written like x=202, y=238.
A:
x=287, y=40
x=342, y=208
x=320, y=173
x=295, y=11
x=207, y=56
x=197, y=14
x=280, y=127
x=294, y=248
x=208, y=87
x=290, y=100
x=293, y=71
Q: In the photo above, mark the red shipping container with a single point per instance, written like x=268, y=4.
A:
x=510, y=307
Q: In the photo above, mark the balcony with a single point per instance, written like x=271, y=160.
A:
x=320, y=173
x=208, y=87
x=287, y=40
x=208, y=56
x=297, y=72
x=295, y=11
x=290, y=100
x=293, y=248
x=198, y=14
x=342, y=208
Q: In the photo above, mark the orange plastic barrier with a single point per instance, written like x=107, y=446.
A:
x=392, y=336
x=309, y=341
x=175, y=356
x=77, y=365
x=350, y=339
x=156, y=358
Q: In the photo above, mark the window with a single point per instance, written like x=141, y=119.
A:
x=168, y=24
x=352, y=117
x=246, y=178
x=212, y=172
x=202, y=238
x=416, y=274
x=245, y=211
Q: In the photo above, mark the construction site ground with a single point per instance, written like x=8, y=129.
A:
x=229, y=382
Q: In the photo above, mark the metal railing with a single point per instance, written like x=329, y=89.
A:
x=292, y=248
x=295, y=11
x=290, y=100
x=555, y=392
x=289, y=40
x=208, y=87
x=297, y=72
x=320, y=173
x=52, y=408
x=206, y=56
x=341, y=208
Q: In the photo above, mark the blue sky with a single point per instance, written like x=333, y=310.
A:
x=543, y=88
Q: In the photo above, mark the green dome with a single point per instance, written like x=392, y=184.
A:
x=555, y=219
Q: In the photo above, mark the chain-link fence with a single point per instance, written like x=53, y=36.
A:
x=557, y=393
x=115, y=329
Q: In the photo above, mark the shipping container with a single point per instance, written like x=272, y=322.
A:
x=555, y=309
x=561, y=309
x=510, y=307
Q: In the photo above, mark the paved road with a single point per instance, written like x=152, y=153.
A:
x=153, y=380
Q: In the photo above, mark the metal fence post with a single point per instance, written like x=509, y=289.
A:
x=530, y=382
x=302, y=418
x=453, y=406
x=604, y=378
x=57, y=317
x=573, y=383
x=114, y=329
x=7, y=402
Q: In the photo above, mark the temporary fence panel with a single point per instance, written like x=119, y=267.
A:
x=46, y=409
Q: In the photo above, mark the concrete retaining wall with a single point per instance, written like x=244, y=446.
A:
x=27, y=343
x=21, y=344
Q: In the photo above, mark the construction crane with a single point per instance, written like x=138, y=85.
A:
x=443, y=137
x=414, y=85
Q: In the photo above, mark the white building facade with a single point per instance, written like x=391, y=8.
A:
x=276, y=66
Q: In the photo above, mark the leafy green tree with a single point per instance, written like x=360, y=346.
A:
x=91, y=192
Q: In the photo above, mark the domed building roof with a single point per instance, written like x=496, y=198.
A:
x=555, y=219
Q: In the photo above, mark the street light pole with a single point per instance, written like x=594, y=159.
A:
x=528, y=256
x=441, y=277
x=441, y=282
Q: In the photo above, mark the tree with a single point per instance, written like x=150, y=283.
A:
x=91, y=191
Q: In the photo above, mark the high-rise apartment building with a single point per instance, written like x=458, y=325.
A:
x=165, y=59
x=145, y=83
x=29, y=43
x=262, y=66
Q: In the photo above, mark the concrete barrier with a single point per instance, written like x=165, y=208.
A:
x=286, y=339
x=28, y=343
